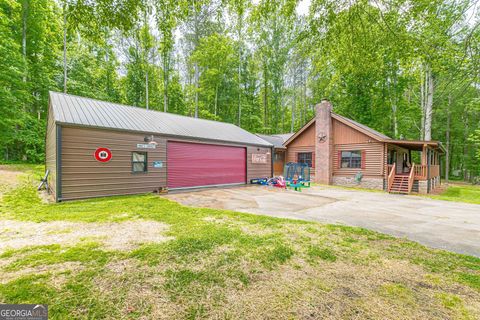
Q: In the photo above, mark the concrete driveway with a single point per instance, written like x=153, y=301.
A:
x=440, y=224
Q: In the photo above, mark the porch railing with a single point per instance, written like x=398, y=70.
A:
x=391, y=177
x=389, y=169
x=420, y=171
x=411, y=178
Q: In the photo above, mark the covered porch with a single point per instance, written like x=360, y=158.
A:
x=412, y=166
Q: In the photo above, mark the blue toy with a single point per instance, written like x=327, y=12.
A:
x=297, y=175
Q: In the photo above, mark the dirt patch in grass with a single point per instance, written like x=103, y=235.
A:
x=9, y=177
x=123, y=236
x=342, y=291
x=58, y=269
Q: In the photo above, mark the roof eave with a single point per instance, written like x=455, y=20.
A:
x=163, y=134
x=434, y=143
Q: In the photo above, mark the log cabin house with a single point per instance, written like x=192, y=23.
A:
x=343, y=152
x=96, y=148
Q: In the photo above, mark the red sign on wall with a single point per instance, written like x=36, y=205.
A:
x=103, y=154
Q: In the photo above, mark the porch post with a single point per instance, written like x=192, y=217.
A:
x=428, y=170
x=424, y=153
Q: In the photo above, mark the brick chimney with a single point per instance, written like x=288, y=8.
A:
x=323, y=142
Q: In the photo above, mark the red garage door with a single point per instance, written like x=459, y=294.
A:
x=195, y=164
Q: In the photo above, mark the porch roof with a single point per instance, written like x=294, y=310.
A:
x=417, y=145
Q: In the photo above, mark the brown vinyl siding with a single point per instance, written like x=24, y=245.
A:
x=258, y=170
x=343, y=134
x=305, y=142
x=83, y=176
x=374, y=159
x=51, y=152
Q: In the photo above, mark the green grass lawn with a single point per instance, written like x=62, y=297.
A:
x=214, y=263
x=461, y=193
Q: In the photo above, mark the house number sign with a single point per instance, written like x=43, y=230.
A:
x=103, y=154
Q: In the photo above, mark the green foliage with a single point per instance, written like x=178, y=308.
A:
x=258, y=64
x=463, y=193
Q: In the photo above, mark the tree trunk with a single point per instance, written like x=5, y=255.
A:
x=196, y=76
x=265, y=95
x=422, y=105
x=165, y=81
x=304, y=99
x=282, y=110
x=466, y=173
x=65, y=8
x=393, y=95
x=196, y=70
x=146, y=87
x=429, y=105
x=447, y=141
x=24, y=38
x=216, y=99
x=292, y=125
x=239, y=29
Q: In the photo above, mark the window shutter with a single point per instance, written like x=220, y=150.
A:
x=364, y=159
x=313, y=159
x=339, y=159
x=296, y=157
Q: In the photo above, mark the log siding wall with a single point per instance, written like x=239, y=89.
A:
x=373, y=162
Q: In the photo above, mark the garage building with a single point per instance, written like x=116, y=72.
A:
x=96, y=148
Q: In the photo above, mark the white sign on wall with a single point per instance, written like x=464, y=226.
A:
x=259, y=158
x=146, y=146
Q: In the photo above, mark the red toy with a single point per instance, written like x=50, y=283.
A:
x=277, y=182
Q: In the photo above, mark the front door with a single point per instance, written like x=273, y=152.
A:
x=279, y=162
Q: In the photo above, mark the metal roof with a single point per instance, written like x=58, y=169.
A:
x=75, y=110
x=277, y=139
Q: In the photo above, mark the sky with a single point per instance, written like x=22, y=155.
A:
x=303, y=6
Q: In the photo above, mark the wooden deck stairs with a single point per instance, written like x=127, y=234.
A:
x=400, y=183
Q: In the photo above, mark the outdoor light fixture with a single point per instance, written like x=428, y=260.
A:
x=149, y=140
